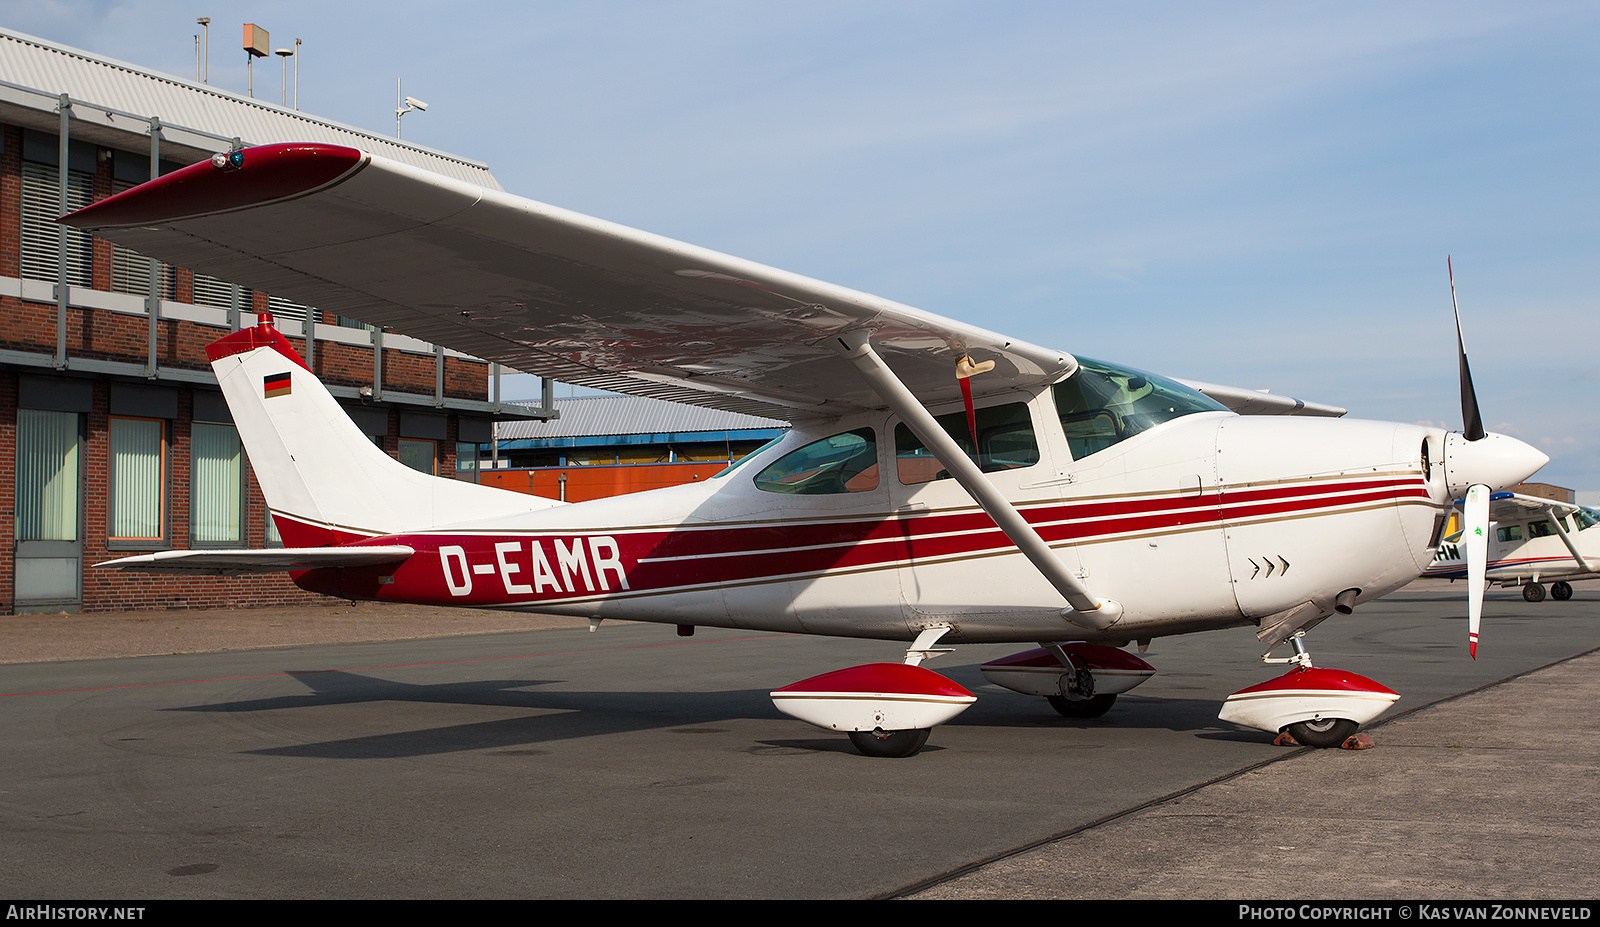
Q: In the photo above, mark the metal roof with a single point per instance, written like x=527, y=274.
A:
x=590, y=416
x=112, y=102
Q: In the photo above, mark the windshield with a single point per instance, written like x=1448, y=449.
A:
x=1102, y=404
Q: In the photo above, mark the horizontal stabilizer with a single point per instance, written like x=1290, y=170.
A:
x=271, y=560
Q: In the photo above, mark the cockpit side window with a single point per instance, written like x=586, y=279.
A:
x=1102, y=404
x=841, y=463
x=1005, y=442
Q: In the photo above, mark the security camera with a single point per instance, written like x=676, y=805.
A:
x=414, y=102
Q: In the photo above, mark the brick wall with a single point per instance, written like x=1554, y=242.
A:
x=111, y=336
x=112, y=590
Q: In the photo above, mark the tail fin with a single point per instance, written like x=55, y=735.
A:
x=324, y=481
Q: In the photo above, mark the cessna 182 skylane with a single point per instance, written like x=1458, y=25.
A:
x=1535, y=541
x=941, y=485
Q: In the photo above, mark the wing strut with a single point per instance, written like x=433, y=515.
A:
x=1555, y=519
x=1087, y=609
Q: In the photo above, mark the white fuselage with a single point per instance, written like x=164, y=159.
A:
x=1205, y=521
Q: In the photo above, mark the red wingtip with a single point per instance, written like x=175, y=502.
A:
x=262, y=174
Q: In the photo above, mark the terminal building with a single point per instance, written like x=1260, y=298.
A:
x=609, y=445
x=114, y=438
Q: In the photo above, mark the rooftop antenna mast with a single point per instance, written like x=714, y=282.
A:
x=403, y=105
x=257, y=44
x=202, y=64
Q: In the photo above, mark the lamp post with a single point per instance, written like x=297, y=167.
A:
x=203, y=68
x=283, y=78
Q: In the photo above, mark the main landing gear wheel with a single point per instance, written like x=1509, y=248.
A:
x=889, y=743
x=1561, y=591
x=1534, y=592
x=1092, y=707
x=1329, y=732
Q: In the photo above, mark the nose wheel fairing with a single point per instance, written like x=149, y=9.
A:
x=1310, y=696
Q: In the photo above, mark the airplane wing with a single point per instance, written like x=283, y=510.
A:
x=551, y=292
x=541, y=289
x=1261, y=402
x=270, y=560
x=1507, y=506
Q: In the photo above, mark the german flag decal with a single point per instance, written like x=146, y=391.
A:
x=275, y=384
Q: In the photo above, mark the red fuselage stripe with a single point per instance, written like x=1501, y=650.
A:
x=528, y=567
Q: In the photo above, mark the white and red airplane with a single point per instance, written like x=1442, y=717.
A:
x=941, y=485
x=1535, y=541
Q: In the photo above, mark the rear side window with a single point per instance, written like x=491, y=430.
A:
x=841, y=463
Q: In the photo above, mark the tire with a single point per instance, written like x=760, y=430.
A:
x=1533, y=592
x=889, y=743
x=1329, y=732
x=1092, y=707
x=1561, y=591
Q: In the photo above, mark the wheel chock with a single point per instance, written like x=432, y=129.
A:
x=1357, y=741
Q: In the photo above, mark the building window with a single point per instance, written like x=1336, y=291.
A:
x=284, y=308
x=130, y=270
x=419, y=454
x=47, y=475
x=218, y=294
x=41, y=235
x=138, y=479
x=467, y=462
x=217, y=490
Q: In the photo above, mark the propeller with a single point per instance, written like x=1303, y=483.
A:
x=1475, y=537
x=1471, y=420
x=1475, y=509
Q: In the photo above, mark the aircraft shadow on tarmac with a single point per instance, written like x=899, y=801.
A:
x=562, y=715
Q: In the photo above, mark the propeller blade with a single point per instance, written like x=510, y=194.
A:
x=1471, y=419
x=1476, y=539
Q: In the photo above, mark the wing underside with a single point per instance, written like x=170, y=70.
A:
x=541, y=289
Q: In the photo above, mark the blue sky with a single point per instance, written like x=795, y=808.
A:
x=1259, y=194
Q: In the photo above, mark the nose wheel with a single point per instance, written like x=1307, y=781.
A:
x=1317, y=707
x=882, y=743
x=1328, y=732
